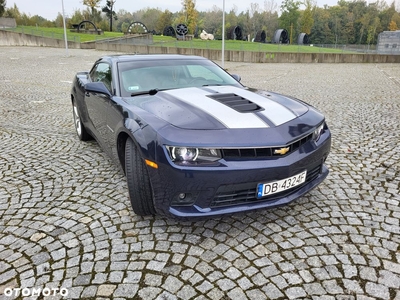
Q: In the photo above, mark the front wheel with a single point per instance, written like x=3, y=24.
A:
x=137, y=177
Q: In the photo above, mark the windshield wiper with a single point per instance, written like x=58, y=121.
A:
x=149, y=92
x=213, y=84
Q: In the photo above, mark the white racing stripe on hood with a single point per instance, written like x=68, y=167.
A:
x=275, y=112
x=223, y=113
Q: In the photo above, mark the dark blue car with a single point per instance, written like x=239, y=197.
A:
x=193, y=141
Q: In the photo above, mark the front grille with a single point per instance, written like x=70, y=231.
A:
x=262, y=153
x=229, y=195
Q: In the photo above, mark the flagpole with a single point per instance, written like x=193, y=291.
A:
x=65, y=29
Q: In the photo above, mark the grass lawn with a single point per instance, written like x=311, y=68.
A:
x=166, y=41
x=58, y=33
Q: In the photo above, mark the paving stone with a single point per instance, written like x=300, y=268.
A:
x=352, y=286
x=172, y=284
x=389, y=279
x=377, y=290
x=295, y=293
x=204, y=287
x=66, y=219
x=89, y=292
x=256, y=294
x=106, y=290
x=314, y=289
x=126, y=290
x=332, y=287
x=187, y=292
x=368, y=274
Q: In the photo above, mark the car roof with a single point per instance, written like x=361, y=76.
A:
x=141, y=57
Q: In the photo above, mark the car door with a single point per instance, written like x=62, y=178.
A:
x=97, y=104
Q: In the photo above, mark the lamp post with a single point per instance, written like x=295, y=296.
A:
x=65, y=29
x=223, y=32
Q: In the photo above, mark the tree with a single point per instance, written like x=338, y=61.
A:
x=290, y=17
x=150, y=18
x=125, y=18
x=371, y=35
x=255, y=20
x=165, y=20
x=393, y=26
x=110, y=13
x=13, y=12
x=359, y=9
x=386, y=14
x=307, y=18
x=396, y=19
x=271, y=18
x=76, y=18
x=348, y=35
x=321, y=33
x=2, y=7
x=212, y=21
x=189, y=15
x=92, y=4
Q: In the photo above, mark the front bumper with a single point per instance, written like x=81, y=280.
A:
x=251, y=203
x=214, y=191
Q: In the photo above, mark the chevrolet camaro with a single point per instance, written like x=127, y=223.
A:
x=192, y=141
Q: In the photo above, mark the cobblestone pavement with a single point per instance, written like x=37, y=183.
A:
x=67, y=229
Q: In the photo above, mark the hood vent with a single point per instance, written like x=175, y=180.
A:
x=236, y=102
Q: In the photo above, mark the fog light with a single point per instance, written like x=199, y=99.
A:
x=184, y=199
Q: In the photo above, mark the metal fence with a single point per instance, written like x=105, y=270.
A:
x=47, y=34
x=350, y=48
x=238, y=45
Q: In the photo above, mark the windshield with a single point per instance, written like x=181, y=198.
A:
x=138, y=77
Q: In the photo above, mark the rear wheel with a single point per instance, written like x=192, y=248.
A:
x=137, y=177
x=79, y=127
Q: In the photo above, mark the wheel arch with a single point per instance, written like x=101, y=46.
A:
x=121, y=141
x=138, y=139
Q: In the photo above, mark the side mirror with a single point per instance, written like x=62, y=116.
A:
x=236, y=77
x=97, y=87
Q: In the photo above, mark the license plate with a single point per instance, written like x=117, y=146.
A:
x=270, y=188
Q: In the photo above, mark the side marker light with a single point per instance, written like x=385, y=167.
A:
x=151, y=164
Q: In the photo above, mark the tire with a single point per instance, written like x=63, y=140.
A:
x=79, y=127
x=137, y=177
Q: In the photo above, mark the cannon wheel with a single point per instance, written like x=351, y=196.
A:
x=181, y=29
x=139, y=26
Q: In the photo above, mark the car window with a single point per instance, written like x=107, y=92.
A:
x=204, y=72
x=129, y=81
x=141, y=76
x=102, y=73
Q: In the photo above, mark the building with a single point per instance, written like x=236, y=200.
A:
x=388, y=42
x=7, y=23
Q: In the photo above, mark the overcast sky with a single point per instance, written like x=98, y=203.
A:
x=50, y=8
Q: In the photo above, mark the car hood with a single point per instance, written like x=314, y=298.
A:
x=220, y=107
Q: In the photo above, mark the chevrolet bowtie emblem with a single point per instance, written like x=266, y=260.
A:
x=282, y=151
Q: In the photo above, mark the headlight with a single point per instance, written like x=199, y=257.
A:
x=318, y=131
x=184, y=154
x=192, y=155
